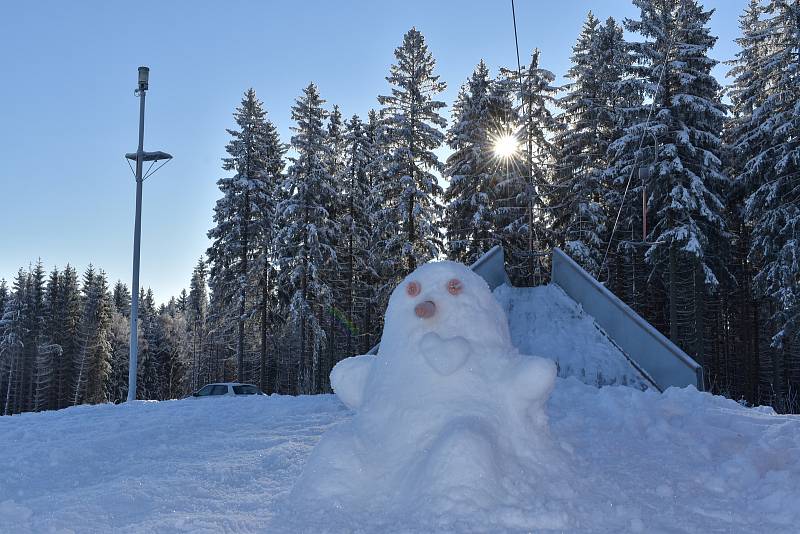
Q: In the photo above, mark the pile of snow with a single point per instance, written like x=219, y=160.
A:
x=681, y=461
x=449, y=417
x=546, y=321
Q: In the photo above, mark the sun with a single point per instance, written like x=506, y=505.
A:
x=505, y=146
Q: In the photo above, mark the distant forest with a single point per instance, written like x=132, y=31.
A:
x=679, y=194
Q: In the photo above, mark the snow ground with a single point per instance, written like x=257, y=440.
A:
x=610, y=459
x=633, y=461
x=544, y=321
x=194, y=465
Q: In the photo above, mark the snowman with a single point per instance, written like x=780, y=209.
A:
x=448, y=410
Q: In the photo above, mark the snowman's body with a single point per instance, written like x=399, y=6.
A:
x=448, y=403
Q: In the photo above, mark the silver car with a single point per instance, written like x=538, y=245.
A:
x=227, y=388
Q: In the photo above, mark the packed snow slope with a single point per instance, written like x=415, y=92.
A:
x=633, y=461
x=546, y=321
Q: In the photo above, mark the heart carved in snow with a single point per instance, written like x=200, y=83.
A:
x=445, y=356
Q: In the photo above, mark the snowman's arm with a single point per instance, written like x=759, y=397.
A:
x=532, y=384
x=349, y=377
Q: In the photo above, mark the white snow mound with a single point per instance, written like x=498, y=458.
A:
x=449, y=416
x=683, y=461
x=545, y=320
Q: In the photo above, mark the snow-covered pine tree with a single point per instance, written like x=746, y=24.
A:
x=305, y=235
x=770, y=145
x=196, y=320
x=93, y=362
x=150, y=371
x=263, y=270
x=119, y=340
x=64, y=318
x=379, y=278
x=47, y=352
x=220, y=337
x=354, y=248
x=590, y=120
x=3, y=294
x=12, y=335
x=685, y=241
x=747, y=91
x=121, y=298
x=742, y=309
x=526, y=188
x=250, y=152
x=173, y=351
x=411, y=132
x=330, y=320
x=47, y=383
x=33, y=338
x=181, y=301
x=470, y=219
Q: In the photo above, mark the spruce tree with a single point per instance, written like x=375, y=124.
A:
x=12, y=336
x=354, y=248
x=470, y=218
x=743, y=310
x=379, y=278
x=772, y=141
x=685, y=242
x=590, y=121
x=3, y=294
x=150, y=372
x=526, y=187
x=93, y=361
x=263, y=270
x=250, y=154
x=173, y=351
x=121, y=299
x=65, y=318
x=34, y=338
x=304, y=241
x=197, y=319
x=47, y=352
x=767, y=141
x=119, y=346
x=411, y=132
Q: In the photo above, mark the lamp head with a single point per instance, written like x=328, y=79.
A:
x=144, y=76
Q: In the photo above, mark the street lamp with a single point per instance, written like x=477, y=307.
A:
x=140, y=156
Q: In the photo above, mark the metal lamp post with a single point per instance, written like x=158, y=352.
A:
x=140, y=156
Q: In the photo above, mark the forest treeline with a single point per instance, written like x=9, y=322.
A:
x=676, y=192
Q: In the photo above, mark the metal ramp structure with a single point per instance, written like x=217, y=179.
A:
x=658, y=360
x=663, y=362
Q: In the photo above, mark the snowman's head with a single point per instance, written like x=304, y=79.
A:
x=448, y=299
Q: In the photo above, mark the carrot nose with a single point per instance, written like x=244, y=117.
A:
x=425, y=309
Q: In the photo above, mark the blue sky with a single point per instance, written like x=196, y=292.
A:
x=68, y=113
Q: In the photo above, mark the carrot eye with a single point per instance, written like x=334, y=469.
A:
x=454, y=286
x=413, y=289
